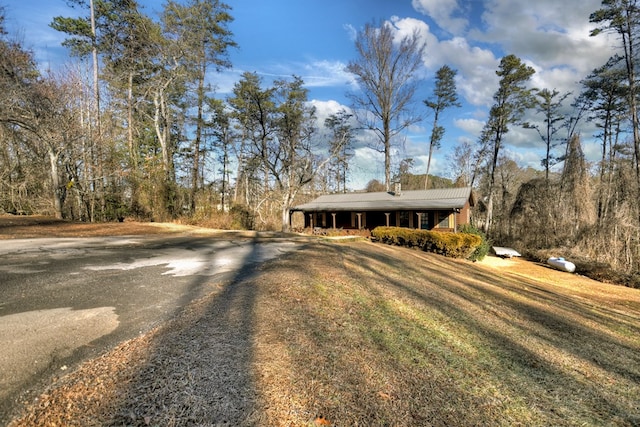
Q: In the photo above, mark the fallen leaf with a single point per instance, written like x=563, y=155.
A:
x=322, y=421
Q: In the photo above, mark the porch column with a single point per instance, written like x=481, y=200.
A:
x=419, y=220
x=359, y=220
x=311, y=221
x=455, y=220
x=387, y=215
x=333, y=215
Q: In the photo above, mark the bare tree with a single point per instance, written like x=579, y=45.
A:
x=461, y=163
x=386, y=71
x=86, y=39
x=341, y=136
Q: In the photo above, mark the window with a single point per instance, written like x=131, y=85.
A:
x=443, y=220
x=404, y=218
x=424, y=221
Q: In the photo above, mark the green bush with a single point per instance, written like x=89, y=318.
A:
x=454, y=245
x=483, y=249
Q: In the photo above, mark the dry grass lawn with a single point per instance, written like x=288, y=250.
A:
x=362, y=334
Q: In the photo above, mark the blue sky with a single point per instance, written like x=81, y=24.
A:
x=315, y=40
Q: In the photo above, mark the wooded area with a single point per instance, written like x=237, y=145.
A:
x=134, y=130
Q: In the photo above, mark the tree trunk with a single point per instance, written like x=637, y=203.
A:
x=195, y=172
x=426, y=179
x=97, y=142
x=285, y=218
x=387, y=155
x=56, y=190
x=160, y=126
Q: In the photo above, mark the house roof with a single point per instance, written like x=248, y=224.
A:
x=445, y=198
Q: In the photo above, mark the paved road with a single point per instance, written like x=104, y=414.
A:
x=63, y=300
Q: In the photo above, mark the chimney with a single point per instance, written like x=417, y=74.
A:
x=398, y=189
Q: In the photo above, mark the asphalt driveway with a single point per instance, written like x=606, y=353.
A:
x=64, y=300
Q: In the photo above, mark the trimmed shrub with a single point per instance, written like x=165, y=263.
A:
x=483, y=249
x=454, y=245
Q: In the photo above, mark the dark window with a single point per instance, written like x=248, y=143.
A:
x=404, y=219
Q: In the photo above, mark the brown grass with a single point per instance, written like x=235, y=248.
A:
x=25, y=227
x=361, y=334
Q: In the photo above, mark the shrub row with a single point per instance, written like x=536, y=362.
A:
x=454, y=245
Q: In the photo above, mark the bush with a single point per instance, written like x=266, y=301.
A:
x=454, y=245
x=483, y=249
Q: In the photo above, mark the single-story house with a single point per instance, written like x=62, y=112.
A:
x=440, y=209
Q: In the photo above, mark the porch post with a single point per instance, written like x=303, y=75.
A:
x=311, y=221
x=387, y=215
x=359, y=220
x=333, y=215
x=455, y=221
x=419, y=220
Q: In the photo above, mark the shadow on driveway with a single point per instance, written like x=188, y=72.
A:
x=200, y=370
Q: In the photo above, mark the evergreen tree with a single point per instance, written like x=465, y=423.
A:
x=510, y=102
x=549, y=104
x=444, y=96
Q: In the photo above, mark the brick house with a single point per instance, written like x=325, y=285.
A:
x=437, y=209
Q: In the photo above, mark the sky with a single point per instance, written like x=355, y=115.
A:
x=314, y=39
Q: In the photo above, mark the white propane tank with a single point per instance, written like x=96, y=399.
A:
x=562, y=264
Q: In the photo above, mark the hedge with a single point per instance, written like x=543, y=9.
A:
x=454, y=245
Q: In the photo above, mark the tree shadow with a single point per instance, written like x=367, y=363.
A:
x=540, y=314
x=199, y=370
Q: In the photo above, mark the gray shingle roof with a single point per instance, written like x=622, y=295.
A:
x=446, y=198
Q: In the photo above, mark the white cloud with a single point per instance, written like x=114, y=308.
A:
x=592, y=150
x=524, y=158
x=351, y=32
x=366, y=164
x=562, y=79
x=549, y=33
x=471, y=126
x=552, y=36
x=442, y=12
x=223, y=82
x=406, y=27
x=327, y=73
x=324, y=109
x=476, y=79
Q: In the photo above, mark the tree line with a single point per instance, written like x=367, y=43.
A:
x=143, y=134
x=133, y=129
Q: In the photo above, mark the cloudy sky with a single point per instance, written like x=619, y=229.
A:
x=314, y=39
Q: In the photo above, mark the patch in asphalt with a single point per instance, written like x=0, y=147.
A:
x=33, y=340
x=183, y=262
